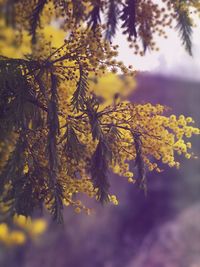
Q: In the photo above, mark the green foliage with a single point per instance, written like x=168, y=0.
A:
x=78, y=99
x=139, y=162
x=16, y=95
x=35, y=18
x=112, y=19
x=184, y=26
x=129, y=18
x=99, y=169
x=94, y=15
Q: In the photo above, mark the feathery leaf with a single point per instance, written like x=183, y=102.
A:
x=184, y=26
x=139, y=162
x=35, y=18
x=53, y=126
x=78, y=98
x=111, y=19
x=94, y=16
x=129, y=18
x=99, y=170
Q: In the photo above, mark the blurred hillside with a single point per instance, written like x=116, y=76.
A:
x=122, y=236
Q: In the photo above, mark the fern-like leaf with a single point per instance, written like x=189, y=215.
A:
x=73, y=147
x=16, y=93
x=111, y=19
x=94, y=16
x=128, y=18
x=139, y=162
x=56, y=207
x=99, y=170
x=92, y=106
x=78, y=98
x=14, y=166
x=184, y=26
x=53, y=127
x=35, y=18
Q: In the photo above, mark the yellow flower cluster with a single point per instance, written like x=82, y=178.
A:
x=114, y=200
x=13, y=237
x=33, y=227
x=161, y=137
x=27, y=228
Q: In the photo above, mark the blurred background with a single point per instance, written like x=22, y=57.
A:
x=159, y=230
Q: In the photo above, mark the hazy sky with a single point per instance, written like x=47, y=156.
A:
x=171, y=60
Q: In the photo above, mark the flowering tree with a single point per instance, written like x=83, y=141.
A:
x=57, y=138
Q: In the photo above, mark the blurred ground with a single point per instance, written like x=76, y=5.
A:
x=161, y=230
x=175, y=243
